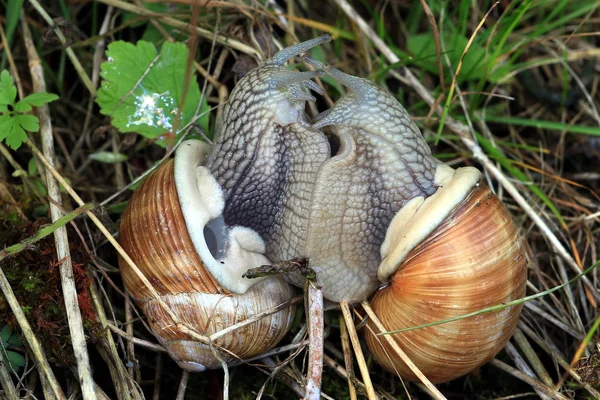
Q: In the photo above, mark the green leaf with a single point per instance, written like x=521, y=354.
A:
x=11, y=131
x=17, y=138
x=28, y=122
x=31, y=167
x=7, y=125
x=38, y=99
x=16, y=360
x=108, y=157
x=22, y=107
x=13, y=8
x=142, y=91
x=8, y=91
x=5, y=334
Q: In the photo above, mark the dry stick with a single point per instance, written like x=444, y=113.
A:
x=362, y=365
x=523, y=367
x=415, y=370
x=184, y=26
x=314, y=311
x=532, y=357
x=183, y=385
x=119, y=376
x=530, y=381
x=61, y=239
x=74, y=60
x=463, y=132
x=8, y=386
x=556, y=356
x=133, y=370
x=157, y=375
x=132, y=339
x=254, y=318
x=348, y=360
x=50, y=385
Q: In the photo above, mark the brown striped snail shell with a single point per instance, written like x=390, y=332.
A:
x=164, y=231
x=474, y=258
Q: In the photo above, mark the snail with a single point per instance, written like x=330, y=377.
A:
x=165, y=229
x=356, y=191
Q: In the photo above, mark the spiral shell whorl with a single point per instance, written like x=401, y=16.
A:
x=154, y=234
x=473, y=260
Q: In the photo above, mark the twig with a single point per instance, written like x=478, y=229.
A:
x=407, y=77
x=118, y=374
x=183, y=385
x=532, y=356
x=556, y=356
x=415, y=370
x=74, y=319
x=348, y=360
x=50, y=385
x=74, y=60
x=362, y=365
x=10, y=391
x=254, y=318
x=134, y=340
x=205, y=33
x=530, y=381
x=523, y=367
x=314, y=316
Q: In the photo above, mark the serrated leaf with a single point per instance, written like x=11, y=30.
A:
x=22, y=107
x=141, y=92
x=28, y=122
x=7, y=125
x=15, y=135
x=8, y=91
x=39, y=99
x=108, y=157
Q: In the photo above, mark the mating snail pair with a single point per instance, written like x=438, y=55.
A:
x=365, y=202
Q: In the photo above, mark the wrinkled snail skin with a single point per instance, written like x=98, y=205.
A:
x=473, y=260
x=279, y=177
x=155, y=235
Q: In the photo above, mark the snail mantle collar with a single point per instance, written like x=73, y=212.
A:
x=420, y=216
x=235, y=249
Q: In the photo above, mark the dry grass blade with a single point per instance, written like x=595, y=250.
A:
x=348, y=359
x=234, y=44
x=6, y=383
x=52, y=389
x=525, y=378
x=360, y=358
x=60, y=235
